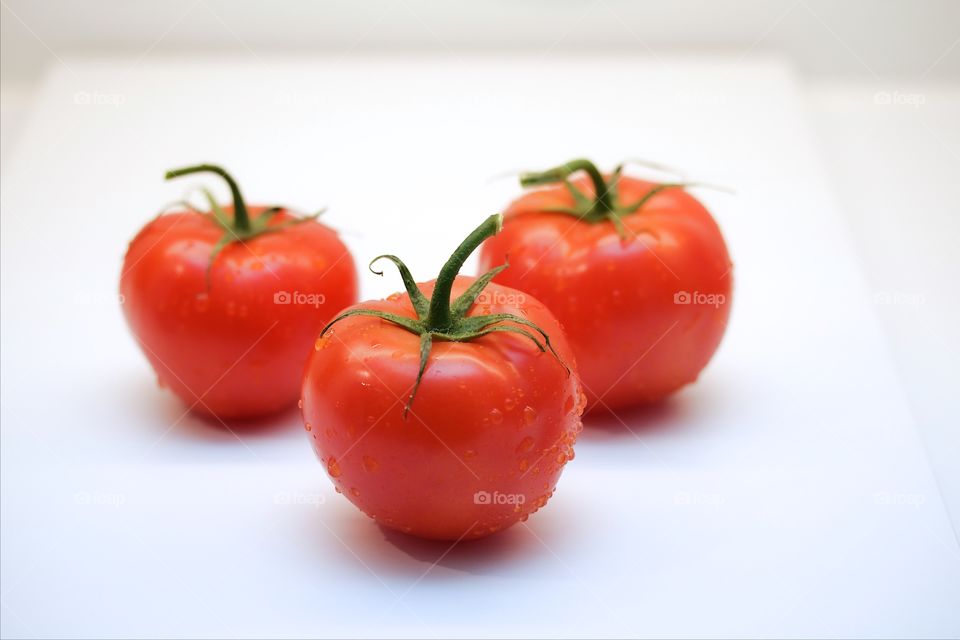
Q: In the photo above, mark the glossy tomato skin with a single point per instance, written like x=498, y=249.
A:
x=236, y=350
x=644, y=316
x=489, y=432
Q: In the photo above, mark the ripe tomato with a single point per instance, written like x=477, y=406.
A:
x=226, y=304
x=640, y=278
x=491, y=416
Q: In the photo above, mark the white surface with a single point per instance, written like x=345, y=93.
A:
x=896, y=170
x=785, y=494
x=855, y=38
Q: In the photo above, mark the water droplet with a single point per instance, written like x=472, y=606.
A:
x=529, y=415
x=354, y=492
x=300, y=403
x=526, y=445
x=524, y=465
x=369, y=464
x=568, y=404
x=509, y=404
x=469, y=453
x=321, y=343
x=496, y=416
x=308, y=427
x=333, y=467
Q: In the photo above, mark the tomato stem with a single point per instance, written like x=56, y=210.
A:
x=439, y=316
x=241, y=219
x=441, y=319
x=603, y=200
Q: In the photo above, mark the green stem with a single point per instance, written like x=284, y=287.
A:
x=241, y=219
x=601, y=190
x=439, y=316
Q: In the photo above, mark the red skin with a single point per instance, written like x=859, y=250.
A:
x=215, y=348
x=615, y=299
x=491, y=414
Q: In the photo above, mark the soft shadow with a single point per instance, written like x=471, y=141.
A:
x=161, y=409
x=603, y=425
x=519, y=551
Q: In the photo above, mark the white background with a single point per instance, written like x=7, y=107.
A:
x=72, y=438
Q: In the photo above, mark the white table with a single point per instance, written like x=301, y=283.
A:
x=787, y=493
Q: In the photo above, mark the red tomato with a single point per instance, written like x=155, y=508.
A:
x=642, y=293
x=230, y=333
x=489, y=428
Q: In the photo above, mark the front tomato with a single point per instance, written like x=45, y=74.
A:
x=444, y=420
x=640, y=279
x=226, y=306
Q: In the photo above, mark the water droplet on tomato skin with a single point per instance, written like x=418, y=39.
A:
x=496, y=416
x=354, y=492
x=469, y=453
x=523, y=466
x=300, y=403
x=307, y=426
x=526, y=445
x=529, y=415
x=568, y=404
x=509, y=404
x=333, y=468
x=370, y=464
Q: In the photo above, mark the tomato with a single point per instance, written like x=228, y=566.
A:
x=444, y=420
x=226, y=305
x=640, y=278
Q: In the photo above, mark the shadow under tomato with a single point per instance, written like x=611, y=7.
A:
x=172, y=417
x=519, y=551
x=603, y=424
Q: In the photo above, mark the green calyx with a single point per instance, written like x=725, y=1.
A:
x=439, y=318
x=605, y=204
x=240, y=227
